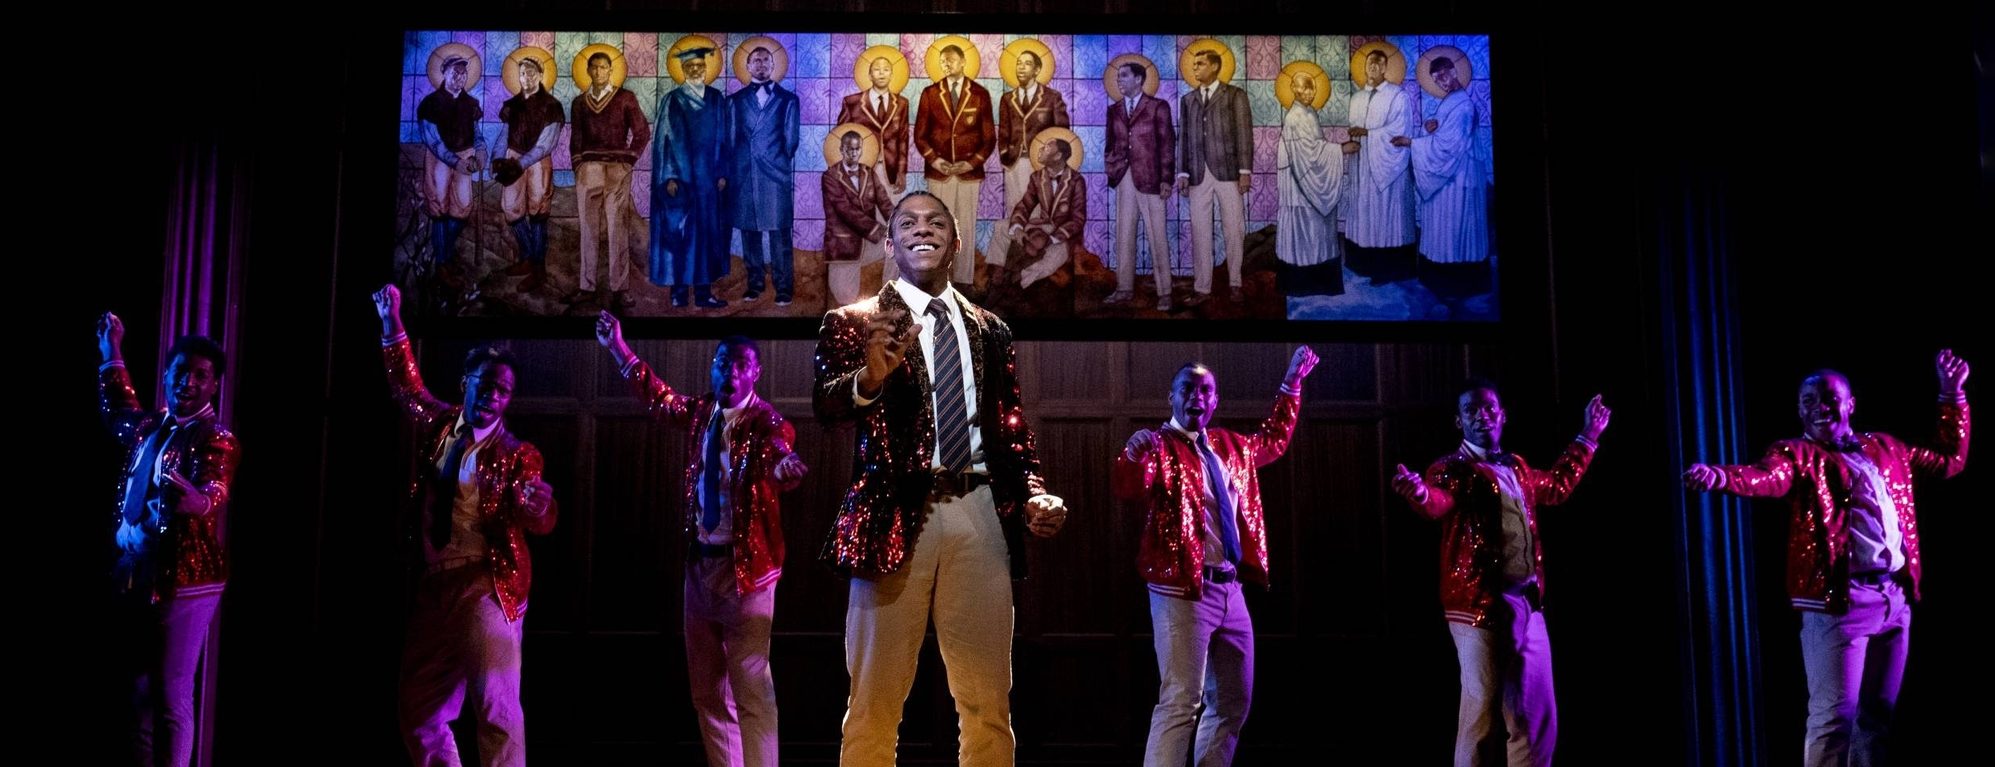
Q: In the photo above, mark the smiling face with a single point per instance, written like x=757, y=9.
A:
x=923, y=239
x=1479, y=414
x=1825, y=406
x=190, y=384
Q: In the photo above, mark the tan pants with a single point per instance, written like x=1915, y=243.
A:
x=1129, y=206
x=961, y=198
x=1017, y=177
x=449, y=191
x=528, y=196
x=959, y=574
x=461, y=645
x=1225, y=195
x=602, y=192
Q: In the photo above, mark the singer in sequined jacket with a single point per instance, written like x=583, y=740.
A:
x=882, y=513
x=1816, y=487
x=505, y=468
x=1470, y=507
x=1171, y=482
x=190, y=553
x=758, y=440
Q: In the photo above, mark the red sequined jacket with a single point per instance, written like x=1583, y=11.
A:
x=506, y=466
x=1171, y=482
x=1816, y=487
x=882, y=513
x=1462, y=493
x=189, y=551
x=757, y=440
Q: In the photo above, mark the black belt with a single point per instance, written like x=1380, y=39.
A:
x=1877, y=578
x=700, y=550
x=950, y=484
x=1216, y=575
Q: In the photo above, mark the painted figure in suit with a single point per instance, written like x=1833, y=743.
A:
x=763, y=130
x=955, y=132
x=1050, y=215
x=1023, y=112
x=885, y=113
x=1141, y=160
x=1215, y=170
x=856, y=208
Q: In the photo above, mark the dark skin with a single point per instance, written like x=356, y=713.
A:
x=487, y=392
x=922, y=241
x=1825, y=406
x=1479, y=414
x=190, y=384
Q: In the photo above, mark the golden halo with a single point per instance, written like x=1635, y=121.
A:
x=1226, y=60
x=539, y=56
x=1463, y=71
x=1115, y=65
x=1073, y=142
x=473, y=68
x=578, y=70
x=862, y=72
x=779, y=65
x=1285, y=84
x=1008, y=60
x=972, y=61
x=1395, y=62
x=869, y=150
x=677, y=68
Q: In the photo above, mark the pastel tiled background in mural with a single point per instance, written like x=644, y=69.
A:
x=820, y=73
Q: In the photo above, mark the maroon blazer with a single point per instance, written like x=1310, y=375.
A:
x=852, y=214
x=1065, y=210
x=1018, y=122
x=967, y=133
x=891, y=128
x=1143, y=144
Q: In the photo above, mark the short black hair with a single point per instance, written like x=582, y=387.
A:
x=203, y=347
x=488, y=355
x=1477, y=382
x=732, y=343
